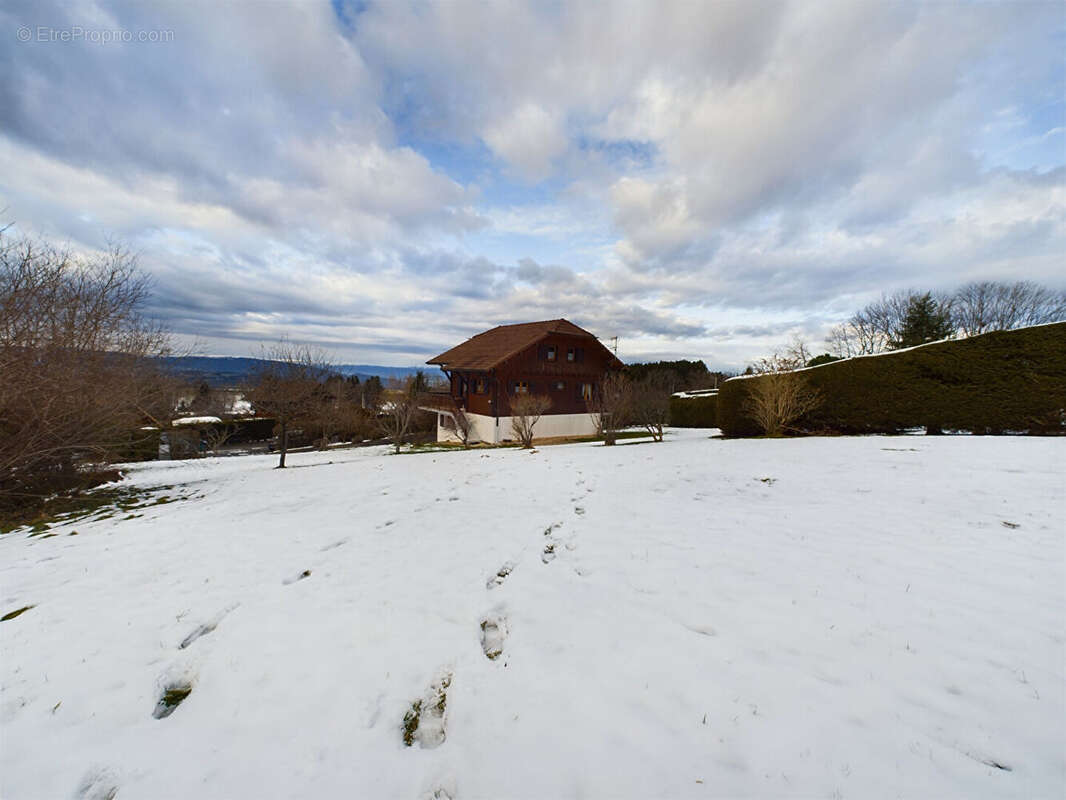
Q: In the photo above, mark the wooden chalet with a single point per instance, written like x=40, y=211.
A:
x=554, y=358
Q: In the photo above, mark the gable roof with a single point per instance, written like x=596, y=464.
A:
x=491, y=348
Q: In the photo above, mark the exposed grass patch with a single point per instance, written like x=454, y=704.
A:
x=173, y=695
x=93, y=505
x=15, y=613
x=410, y=722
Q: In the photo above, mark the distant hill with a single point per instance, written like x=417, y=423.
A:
x=225, y=371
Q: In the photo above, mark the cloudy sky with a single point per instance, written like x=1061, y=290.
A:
x=699, y=179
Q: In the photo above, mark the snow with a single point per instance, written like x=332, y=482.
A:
x=825, y=617
x=195, y=421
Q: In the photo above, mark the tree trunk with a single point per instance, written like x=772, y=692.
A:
x=283, y=444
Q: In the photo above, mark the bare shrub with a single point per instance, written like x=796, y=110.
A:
x=611, y=406
x=463, y=426
x=78, y=366
x=650, y=403
x=526, y=411
x=778, y=399
x=218, y=436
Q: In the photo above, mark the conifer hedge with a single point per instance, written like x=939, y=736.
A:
x=1005, y=381
x=694, y=412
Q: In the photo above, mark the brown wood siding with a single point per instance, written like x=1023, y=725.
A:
x=532, y=366
x=464, y=392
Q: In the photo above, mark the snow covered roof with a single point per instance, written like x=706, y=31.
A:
x=695, y=393
x=195, y=421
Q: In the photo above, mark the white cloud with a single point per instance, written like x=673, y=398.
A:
x=407, y=173
x=529, y=139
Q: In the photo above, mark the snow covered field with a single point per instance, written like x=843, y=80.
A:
x=839, y=617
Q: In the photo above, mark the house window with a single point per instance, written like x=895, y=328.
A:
x=521, y=387
x=480, y=386
x=551, y=352
x=584, y=391
x=559, y=386
x=571, y=354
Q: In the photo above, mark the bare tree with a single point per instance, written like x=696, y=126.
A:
x=398, y=411
x=797, y=351
x=334, y=410
x=878, y=324
x=218, y=435
x=286, y=386
x=610, y=405
x=526, y=411
x=651, y=403
x=985, y=306
x=79, y=364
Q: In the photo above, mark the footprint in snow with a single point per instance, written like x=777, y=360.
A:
x=298, y=577
x=549, y=553
x=99, y=783
x=579, y=510
x=206, y=628
x=500, y=576
x=335, y=544
x=425, y=722
x=493, y=634
x=443, y=789
x=174, y=692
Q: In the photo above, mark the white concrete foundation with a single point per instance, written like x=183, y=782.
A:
x=485, y=429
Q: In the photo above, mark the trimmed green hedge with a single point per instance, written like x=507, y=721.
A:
x=694, y=412
x=996, y=382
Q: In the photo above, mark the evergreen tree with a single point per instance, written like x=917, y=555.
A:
x=824, y=358
x=926, y=320
x=419, y=385
x=372, y=390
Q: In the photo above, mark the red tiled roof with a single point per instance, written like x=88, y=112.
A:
x=491, y=348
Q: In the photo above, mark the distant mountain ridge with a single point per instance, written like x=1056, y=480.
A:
x=227, y=371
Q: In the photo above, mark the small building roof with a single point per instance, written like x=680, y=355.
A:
x=491, y=348
x=195, y=421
